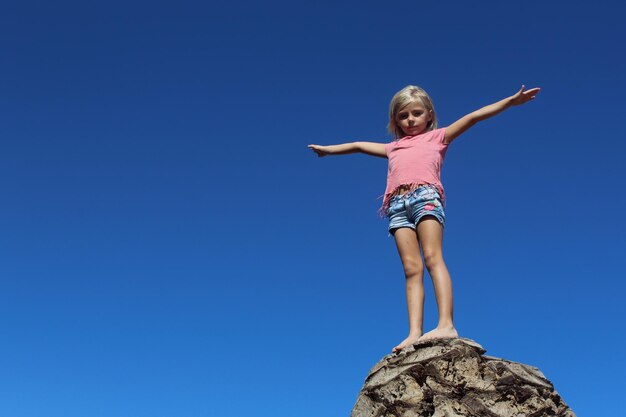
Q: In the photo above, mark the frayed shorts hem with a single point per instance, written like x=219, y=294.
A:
x=413, y=226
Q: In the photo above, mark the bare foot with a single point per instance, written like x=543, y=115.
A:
x=411, y=340
x=440, y=333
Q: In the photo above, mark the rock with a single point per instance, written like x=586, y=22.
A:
x=453, y=378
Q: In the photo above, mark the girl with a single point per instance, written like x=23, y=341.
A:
x=414, y=196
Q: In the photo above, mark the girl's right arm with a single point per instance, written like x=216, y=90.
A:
x=369, y=148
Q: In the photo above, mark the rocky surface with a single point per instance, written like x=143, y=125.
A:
x=453, y=378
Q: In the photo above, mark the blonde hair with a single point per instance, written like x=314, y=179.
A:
x=403, y=98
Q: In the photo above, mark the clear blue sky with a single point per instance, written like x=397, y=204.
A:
x=170, y=247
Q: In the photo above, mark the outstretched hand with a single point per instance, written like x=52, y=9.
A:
x=524, y=96
x=319, y=150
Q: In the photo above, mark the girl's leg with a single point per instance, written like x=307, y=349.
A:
x=409, y=251
x=430, y=233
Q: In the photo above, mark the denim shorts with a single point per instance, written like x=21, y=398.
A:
x=407, y=210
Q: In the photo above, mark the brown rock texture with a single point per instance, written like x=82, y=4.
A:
x=453, y=378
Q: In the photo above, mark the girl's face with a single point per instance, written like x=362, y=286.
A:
x=413, y=118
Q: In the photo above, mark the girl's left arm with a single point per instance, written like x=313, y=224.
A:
x=460, y=126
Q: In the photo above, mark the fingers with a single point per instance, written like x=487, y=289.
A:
x=523, y=96
x=522, y=90
x=317, y=150
x=530, y=94
x=533, y=91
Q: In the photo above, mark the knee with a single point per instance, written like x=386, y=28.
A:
x=433, y=259
x=413, y=268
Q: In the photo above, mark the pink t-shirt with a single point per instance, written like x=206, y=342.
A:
x=415, y=160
